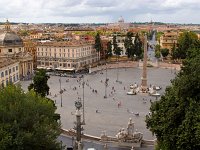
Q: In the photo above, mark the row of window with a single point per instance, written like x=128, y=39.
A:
x=11, y=79
x=9, y=71
x=67, y=50
x=63, y=55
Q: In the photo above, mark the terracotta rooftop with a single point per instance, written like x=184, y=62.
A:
x=6, y=62
x=66, y=43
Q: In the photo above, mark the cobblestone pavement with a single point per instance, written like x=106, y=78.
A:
x=112, y=113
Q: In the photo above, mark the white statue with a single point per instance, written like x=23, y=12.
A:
x=130, y=128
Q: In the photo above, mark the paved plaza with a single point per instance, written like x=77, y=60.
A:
x=112, y=113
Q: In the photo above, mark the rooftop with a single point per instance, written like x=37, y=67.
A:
x=6, y=62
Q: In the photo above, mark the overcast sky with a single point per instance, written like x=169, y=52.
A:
x=100, y=11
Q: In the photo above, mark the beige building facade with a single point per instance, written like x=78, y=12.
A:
x=66, y=55
x=168, y=39
x=9, y=72
x=12, y=47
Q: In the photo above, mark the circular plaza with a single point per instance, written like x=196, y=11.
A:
x=112, y=113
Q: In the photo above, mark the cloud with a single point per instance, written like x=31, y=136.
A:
x=183, y=11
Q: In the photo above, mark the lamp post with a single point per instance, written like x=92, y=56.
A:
x=83, y=123
x=117, y=69
x=78, y=144
x=106, y=84
x=60, y=92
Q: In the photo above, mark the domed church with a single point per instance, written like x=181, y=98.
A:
x=12, y=48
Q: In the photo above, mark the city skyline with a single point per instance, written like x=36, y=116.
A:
x=101, y=11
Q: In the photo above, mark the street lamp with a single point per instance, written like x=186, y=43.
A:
x=78, y=128
x=117, y=69
x=61, y=91
x=106, y=84
x=83, y=123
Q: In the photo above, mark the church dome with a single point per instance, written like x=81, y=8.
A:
x=121, y=19
x=10, y=39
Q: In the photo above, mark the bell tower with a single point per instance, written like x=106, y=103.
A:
x=7, y=25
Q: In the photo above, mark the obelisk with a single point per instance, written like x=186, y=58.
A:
x=144, y=71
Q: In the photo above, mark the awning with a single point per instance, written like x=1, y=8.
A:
x=65, y=69
x=41, y=67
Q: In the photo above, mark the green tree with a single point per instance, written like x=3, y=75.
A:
x=27, y=121
x=39, y=84
x=186, y=41
x=175, y=119
x=157, y=54
x=128, y=44
x=138, y=46
x=164, y=52
x=117, y=50
x=158, y=35
x=98, y=45
x=109, y=49
x=114, y=43
x=157, y=51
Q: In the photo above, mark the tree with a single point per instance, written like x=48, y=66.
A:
x=117, y=50
x=186, y=41
x=115, y=46
x=157, y=51
x=158, y=35
x=175, y=119
x=39, y=84
x=109, y=49
x=128, y=44
x=164, y=52
x=174, y=52
x=138, y=46
x=157, y=54
x=98, y=45
x=27, y=121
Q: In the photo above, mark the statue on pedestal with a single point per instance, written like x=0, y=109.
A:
x=129, y=135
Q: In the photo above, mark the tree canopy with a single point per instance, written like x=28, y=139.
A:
x=186, y=41
x=133, y=48
x=27, y=121
x=39, y=84
x=175, y=119
x=98, y=45
x=164, y=52
x=128, y=44
x=138, y=46
x=117, y=50
x=109, y=49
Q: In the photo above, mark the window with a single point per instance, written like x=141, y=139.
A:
x=2, y=74
x=13, y=69
x=6, y=72
x=16, y=67
x=10, y=50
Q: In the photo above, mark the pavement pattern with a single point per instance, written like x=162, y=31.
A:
x=112, y=113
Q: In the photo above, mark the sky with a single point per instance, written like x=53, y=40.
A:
x=100, y=11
